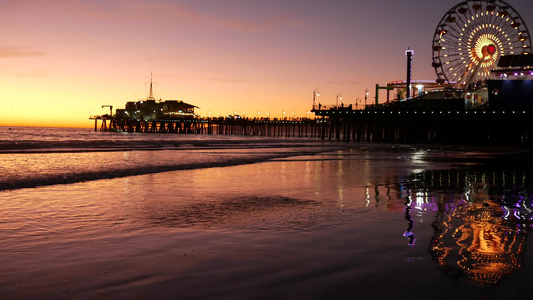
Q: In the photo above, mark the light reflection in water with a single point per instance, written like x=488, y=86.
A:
x=481, y=224
x=367, y=197
x=409, y=233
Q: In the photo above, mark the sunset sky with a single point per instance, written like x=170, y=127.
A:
x=61, y=60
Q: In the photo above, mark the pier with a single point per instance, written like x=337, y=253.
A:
x=472, y=116
x=305, y=128
x=476, y=126
x=479, y=126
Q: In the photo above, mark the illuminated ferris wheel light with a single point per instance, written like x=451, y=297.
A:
x=472, y=36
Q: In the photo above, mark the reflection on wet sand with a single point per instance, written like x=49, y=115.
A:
x=481, y=224
x=477, y=242
x=247, y=212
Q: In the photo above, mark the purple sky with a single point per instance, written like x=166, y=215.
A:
x=60, y=60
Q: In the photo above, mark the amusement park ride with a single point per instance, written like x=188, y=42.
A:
x=477, y=45
x=472, y=37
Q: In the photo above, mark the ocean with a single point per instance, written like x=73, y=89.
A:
x=109, y=215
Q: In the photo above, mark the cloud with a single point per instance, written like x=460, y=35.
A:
x=11, y=51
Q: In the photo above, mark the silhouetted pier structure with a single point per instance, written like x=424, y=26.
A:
x=475, y=126
x=446, y=117
x=261, y=127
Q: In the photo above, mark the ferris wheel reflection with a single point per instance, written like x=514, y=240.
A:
x=480, y=226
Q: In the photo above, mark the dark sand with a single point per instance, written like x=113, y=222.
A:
x=320, y=227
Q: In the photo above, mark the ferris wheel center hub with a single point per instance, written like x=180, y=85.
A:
x=489, y=50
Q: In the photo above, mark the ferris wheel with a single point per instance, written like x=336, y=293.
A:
x=472, y=36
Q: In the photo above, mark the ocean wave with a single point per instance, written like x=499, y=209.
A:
x=32, y=157
x=29, y=170
x=32, y=146
x=74, y=177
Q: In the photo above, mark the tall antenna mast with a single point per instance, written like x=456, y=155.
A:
x=151, y=96
x=409, y=86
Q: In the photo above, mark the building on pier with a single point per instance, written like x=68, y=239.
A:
x=148, y=110
x=152, y=109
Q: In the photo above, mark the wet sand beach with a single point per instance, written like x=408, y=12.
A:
x=367, y=223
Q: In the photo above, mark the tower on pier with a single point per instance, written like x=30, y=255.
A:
x=409, y=54
x=151, y=95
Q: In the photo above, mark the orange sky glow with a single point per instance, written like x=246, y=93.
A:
x=61, y=60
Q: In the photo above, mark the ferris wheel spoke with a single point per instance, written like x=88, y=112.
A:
x=449, y=45
x=455, y=58
x=503, y=23
x=456, y=64
x=448, y=32
x=467, y=70
x=455, y=36
x=453, y=27
x=460, y=11
x=487, y=70
x=468, y=75
x=487, y=19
